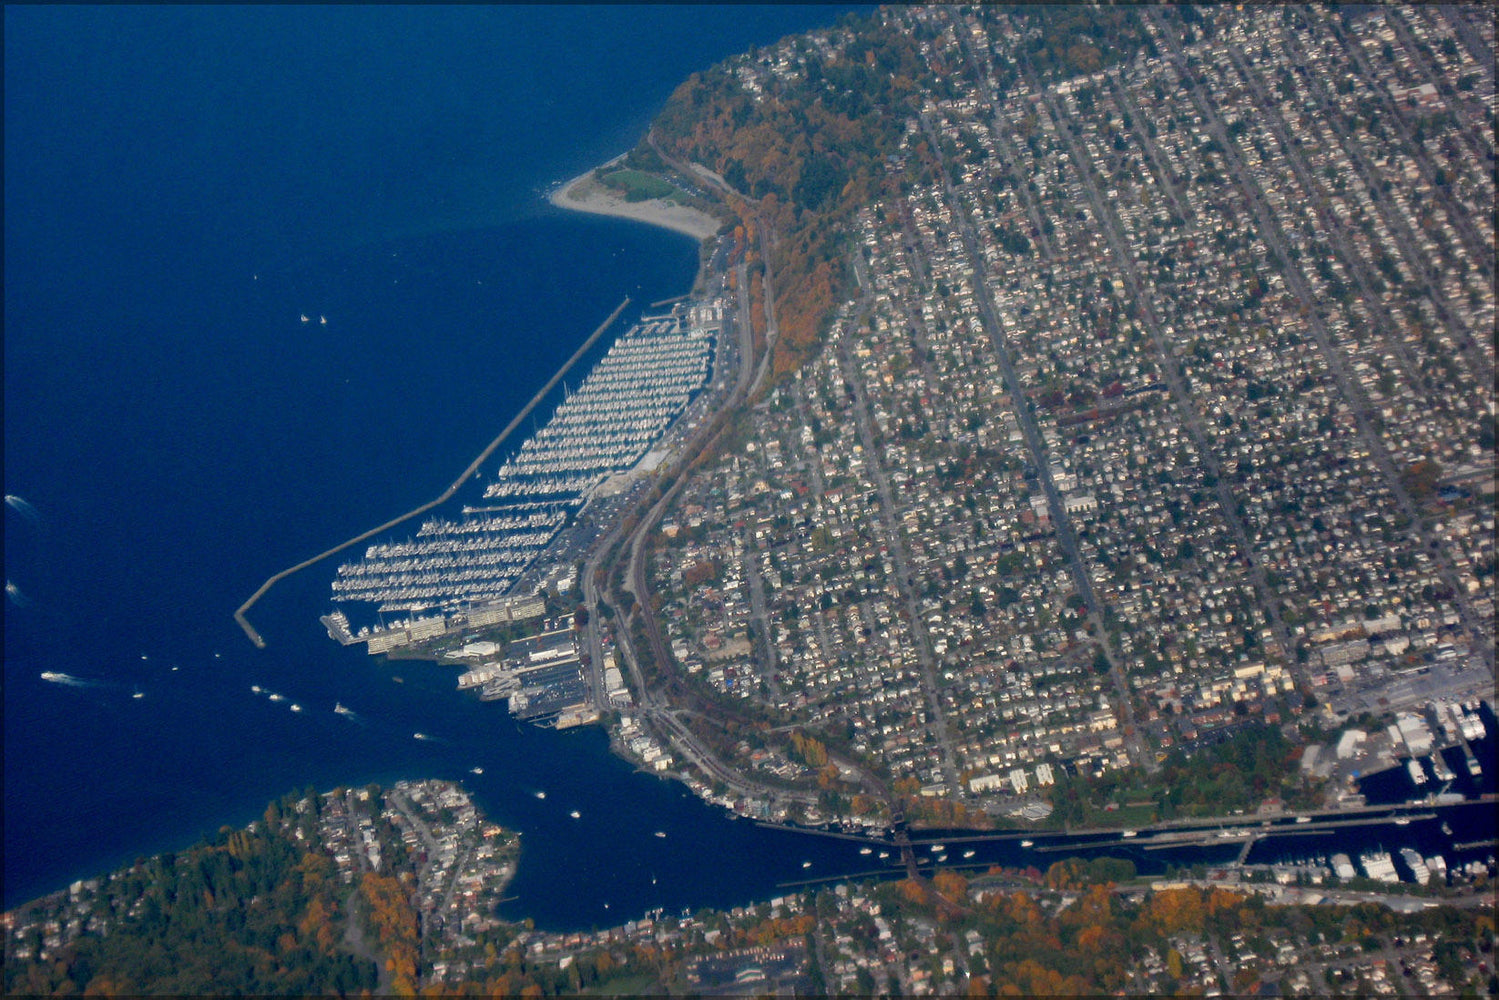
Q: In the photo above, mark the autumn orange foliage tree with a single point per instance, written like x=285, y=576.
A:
x=397, y=927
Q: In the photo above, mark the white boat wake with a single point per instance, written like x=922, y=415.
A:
x=58, y=677
x=20, y=506
x=13, y=593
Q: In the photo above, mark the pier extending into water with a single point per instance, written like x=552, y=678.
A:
x=446, y=494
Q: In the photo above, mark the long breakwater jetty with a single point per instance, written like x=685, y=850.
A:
x=446, y=494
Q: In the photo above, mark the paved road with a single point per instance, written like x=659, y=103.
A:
x=1185, y=406
x=875, y=462
x=1480, y=250
x=1066, y=535
x=1357, y=264
x=1270, y=229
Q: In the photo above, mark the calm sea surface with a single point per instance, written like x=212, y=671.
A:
x=181, y=185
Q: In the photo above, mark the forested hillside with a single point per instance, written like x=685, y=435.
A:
x=806, y=130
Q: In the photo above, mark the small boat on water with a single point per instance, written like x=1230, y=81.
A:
x=420, y=736
x=540, y=794
x=575, y=814
x=937, y=848
x=341, y=709
x=884, y=854
x=138, y=693
x=255, y=688
x=295, y=707
x=1027, y=843
x=661, y=834
x=806, y=864
x=1303, y=819
x=967, y=855
x=278, y=697
x=865, y=850
x=476, y=770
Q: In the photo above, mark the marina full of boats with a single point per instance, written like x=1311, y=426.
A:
x=605, y=426
x=1379, y=865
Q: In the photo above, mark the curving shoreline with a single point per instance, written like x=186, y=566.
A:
x=585, y=194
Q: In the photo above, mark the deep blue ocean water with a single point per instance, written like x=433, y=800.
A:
x=181, y=185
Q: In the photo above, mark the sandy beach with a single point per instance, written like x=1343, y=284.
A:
x=585, y=194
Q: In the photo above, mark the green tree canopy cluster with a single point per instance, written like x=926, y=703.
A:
x=248, y=911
